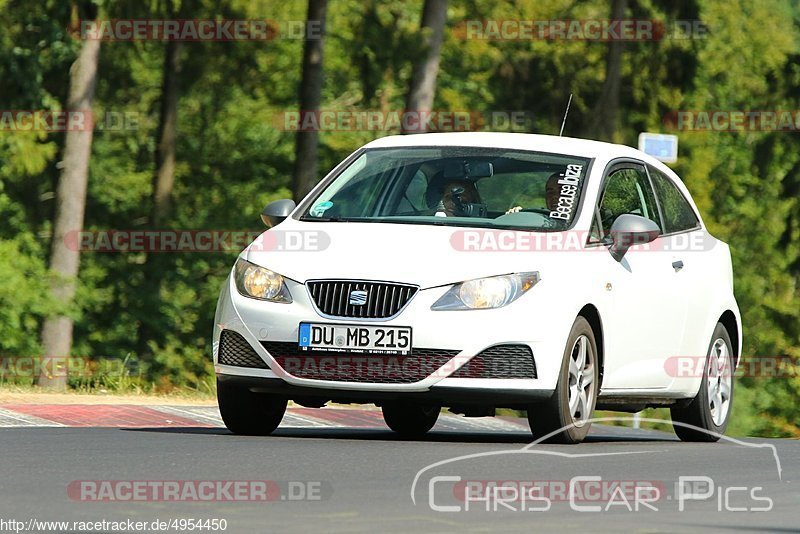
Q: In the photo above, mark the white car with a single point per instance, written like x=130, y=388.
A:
x=477, y=271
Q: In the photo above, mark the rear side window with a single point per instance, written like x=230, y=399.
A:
x=678, y=214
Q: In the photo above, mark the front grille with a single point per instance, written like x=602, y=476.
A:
x=383, y=299
x=235, y=350
x=500, y=361
x=352, y=367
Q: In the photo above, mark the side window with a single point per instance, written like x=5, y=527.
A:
x=678, y=214
x=626, y=190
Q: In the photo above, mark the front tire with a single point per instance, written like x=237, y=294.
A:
x=248, y=413
x=411, y=420
x=710, y=410
x=568, y=411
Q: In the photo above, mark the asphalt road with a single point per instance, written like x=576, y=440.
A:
x=361, y=480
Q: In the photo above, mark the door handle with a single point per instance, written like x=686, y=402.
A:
x=677, y=265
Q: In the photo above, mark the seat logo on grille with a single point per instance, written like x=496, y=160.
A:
x=358, y=297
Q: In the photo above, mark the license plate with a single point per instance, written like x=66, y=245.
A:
x=355, y=338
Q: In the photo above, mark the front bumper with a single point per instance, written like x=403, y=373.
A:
x=464, y=334
x=464, y=395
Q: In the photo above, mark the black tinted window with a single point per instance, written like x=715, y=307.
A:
x=678, y=214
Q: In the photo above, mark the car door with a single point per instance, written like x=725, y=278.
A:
x=687, y=242
x=647, y=322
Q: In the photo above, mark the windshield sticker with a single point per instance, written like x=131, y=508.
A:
x=568, y=193
x=320, y=209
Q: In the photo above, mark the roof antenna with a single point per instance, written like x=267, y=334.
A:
x=565, y=115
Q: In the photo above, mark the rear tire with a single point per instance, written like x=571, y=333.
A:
x=248, y=413
x=710, y=410
x=410, y=419
x=575, y=396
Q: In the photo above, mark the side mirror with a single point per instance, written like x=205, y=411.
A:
x=275, y=212
x=629, y=230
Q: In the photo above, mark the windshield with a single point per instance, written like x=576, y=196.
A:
x=459, y=186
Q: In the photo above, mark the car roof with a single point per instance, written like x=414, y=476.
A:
x=519, y=141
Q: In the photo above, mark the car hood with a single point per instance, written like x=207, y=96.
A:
x=424, y=255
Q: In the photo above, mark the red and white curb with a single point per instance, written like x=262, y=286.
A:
x=136, y=416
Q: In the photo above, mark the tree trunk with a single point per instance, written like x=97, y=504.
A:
x=164, y=179
x=306, y=149
x=163, y=184
x=606, y=113
x=426, y=69
x=70, y=207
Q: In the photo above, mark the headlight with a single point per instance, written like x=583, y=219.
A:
x=260, y=283
x=487, y=293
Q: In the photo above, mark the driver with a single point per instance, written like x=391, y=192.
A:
x=552, y=191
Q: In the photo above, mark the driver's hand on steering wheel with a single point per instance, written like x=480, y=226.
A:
x=515, y=209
